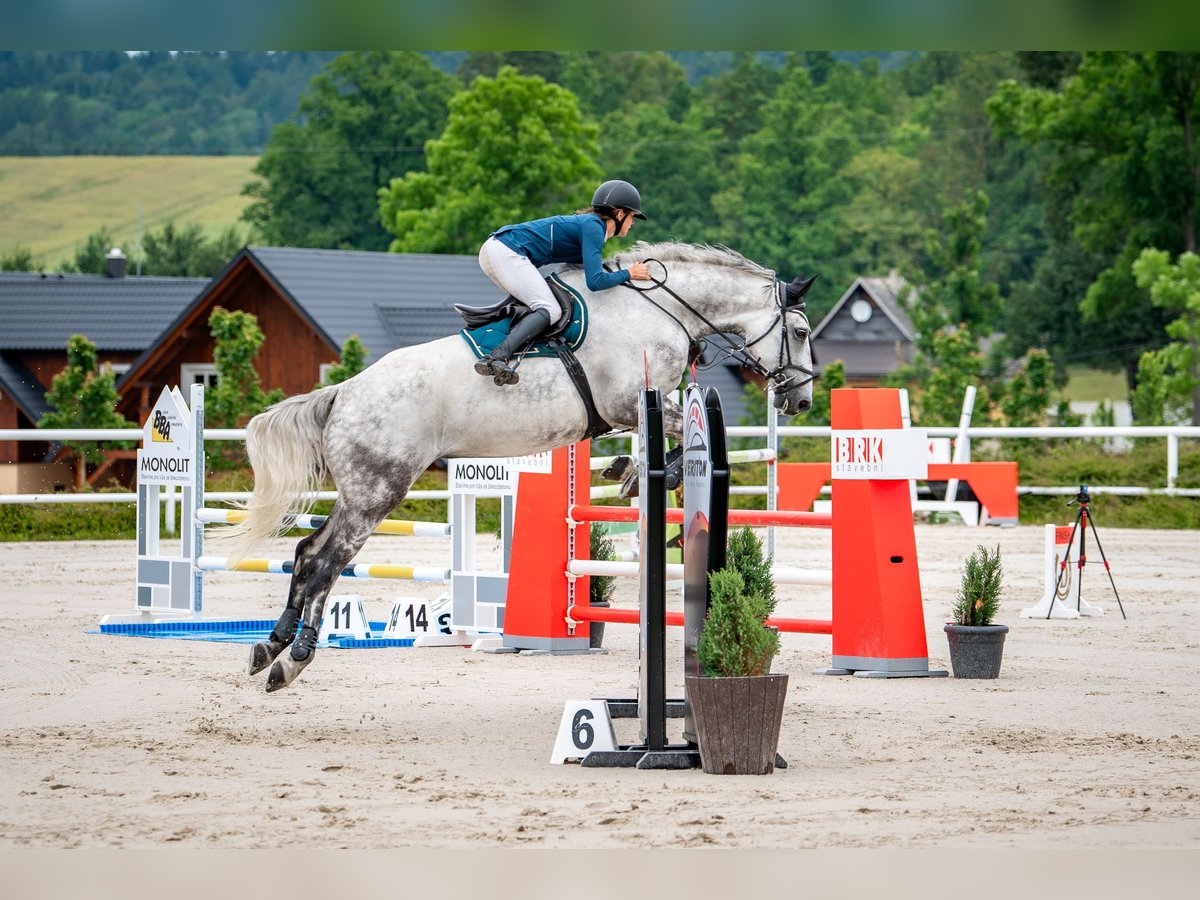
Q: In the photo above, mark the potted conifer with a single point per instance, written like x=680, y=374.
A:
x=736, y=703
x=600, y=587
x=976, y=643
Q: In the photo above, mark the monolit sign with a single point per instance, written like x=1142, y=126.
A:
x=166, y=454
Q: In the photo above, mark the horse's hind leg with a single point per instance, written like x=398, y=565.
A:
x=318, y=566
x=263, y=653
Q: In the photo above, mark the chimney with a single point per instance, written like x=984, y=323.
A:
x=115, y=263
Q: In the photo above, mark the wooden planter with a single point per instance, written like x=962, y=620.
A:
x=976, y=650
x=737, y=722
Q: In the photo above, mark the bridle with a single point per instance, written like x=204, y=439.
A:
x=783, y=376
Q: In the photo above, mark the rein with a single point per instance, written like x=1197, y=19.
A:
x=735, y=352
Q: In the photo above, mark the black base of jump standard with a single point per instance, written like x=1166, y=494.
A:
x=651, y=705
x=639, y=756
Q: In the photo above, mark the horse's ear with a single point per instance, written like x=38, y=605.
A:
x=794, y=292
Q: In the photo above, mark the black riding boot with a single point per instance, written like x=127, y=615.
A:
x=496, y=362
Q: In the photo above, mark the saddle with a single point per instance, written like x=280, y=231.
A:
x=512, y=308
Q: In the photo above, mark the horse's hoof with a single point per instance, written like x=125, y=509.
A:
x=277, y=678
x=284, y=672
x=261, y=656
x=619, y=469
x=630, y=487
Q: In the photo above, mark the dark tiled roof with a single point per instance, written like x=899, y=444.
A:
x=887, y=294
x=18, y=382
x=389, y=300
x=41, y=312
x=411, y=325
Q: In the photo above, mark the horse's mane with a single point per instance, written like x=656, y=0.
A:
x=674, y=251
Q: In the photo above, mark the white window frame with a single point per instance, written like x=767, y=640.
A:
x=323, y=372
x=190, y=372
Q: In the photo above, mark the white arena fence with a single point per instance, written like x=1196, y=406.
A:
x=1172, y=433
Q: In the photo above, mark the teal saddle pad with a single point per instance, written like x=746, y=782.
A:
x=486, y=338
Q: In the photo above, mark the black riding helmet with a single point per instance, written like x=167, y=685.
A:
x=620, y=194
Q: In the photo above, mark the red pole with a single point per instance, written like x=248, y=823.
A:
x=763, y=517
x=674, y=617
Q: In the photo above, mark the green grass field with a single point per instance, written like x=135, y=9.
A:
x=1092, y=385
x=52, y=203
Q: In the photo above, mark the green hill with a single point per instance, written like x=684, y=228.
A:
x=52, y=203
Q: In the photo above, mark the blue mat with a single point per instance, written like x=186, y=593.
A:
x=244, y=631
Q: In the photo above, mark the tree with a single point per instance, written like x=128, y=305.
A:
x=83, y=395
x=353, y=360
x=673, y=166
x=785, y=195
x=1030, y=393
x=605, y=81
x=956, y=293
x=20, y=259
x=1123, y=157
x=732, y=103
x=514, y=148
x=92, y=257
x=546, y=64
x=956, y=363
x=238, y=394
x=363, y=122
x=1175, y=288
x=187, y=253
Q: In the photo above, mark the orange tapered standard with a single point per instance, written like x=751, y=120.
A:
x=878, y=621
x=535, y=610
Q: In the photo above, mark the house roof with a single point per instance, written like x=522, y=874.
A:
x=42, y=312
x=20, y=384
x=389, y=300
x=885, y=293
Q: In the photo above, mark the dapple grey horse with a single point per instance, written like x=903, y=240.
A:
x=373, y=434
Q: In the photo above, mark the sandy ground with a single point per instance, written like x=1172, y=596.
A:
x=1089, y=739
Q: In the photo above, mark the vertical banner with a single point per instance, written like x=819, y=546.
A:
x=652, y=533
x=705, y=519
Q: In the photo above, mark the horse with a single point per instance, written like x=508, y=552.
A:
x=375, y=433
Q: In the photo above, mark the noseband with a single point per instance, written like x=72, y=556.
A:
x=785, y=374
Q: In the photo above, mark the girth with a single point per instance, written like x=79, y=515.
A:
x=595, y=423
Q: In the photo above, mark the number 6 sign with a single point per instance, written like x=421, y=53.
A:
x=586, y=726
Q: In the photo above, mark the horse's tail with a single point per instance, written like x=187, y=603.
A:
x=285, y=447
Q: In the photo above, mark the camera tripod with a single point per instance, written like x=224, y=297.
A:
x=1083, y=519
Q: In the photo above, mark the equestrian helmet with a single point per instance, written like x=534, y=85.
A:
x=620, y=194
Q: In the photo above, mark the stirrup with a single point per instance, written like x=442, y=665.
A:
x=505, y=374
x=486, y=366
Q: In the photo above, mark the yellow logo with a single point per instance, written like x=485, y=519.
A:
x=160, y=428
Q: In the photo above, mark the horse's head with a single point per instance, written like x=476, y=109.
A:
x=793, y=373
x=715, y=292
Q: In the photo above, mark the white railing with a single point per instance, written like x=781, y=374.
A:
x=1172, y=433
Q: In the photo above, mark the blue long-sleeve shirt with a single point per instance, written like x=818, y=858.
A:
x=564, y=239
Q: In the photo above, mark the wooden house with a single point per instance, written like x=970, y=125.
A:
x=868, y=329
x=39, y=313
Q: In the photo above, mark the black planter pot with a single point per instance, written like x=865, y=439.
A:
x=976, y=650
x=596, y=629
x=737, y=722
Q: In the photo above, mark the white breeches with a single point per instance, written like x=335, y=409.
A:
x=516, y=275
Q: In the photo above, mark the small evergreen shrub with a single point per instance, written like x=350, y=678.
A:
x=602, y=586
x=736, y=641
x=979, y=594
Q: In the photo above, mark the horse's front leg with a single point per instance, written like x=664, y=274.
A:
x=263, y=653
x=316, y=585
x=319, y=566
x=624, y=468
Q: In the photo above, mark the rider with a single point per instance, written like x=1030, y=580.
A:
x=511, y=257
